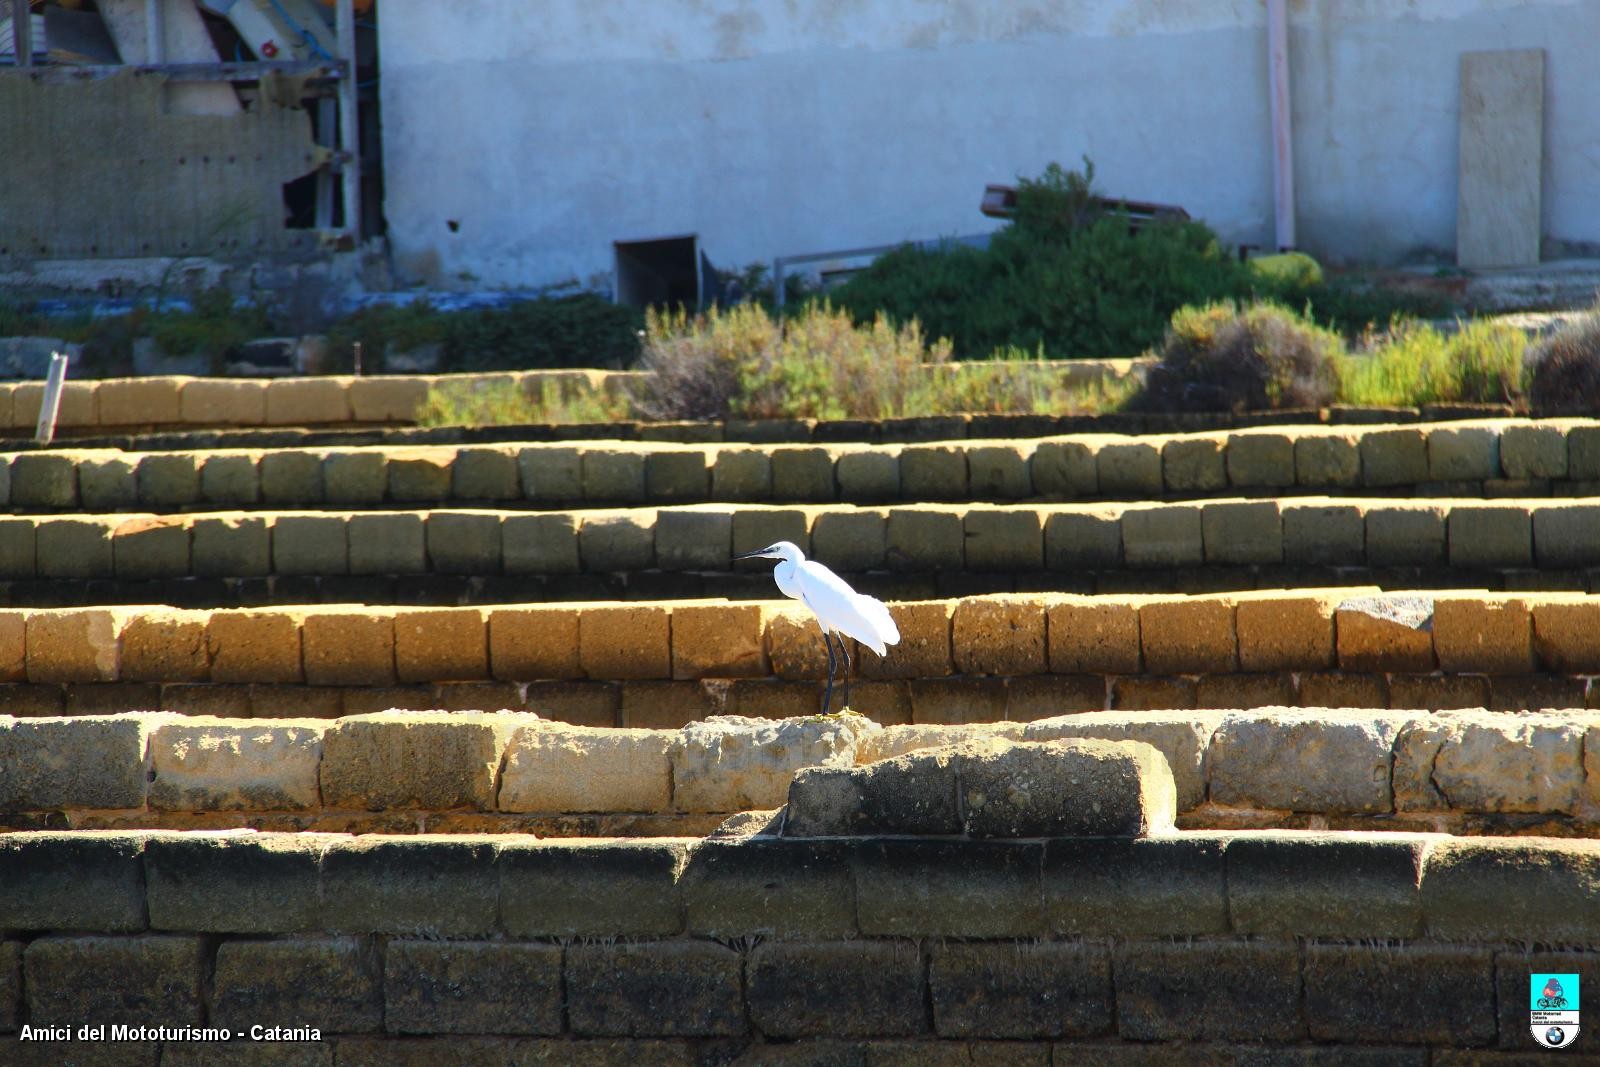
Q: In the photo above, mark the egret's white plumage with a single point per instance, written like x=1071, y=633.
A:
x=838, y=608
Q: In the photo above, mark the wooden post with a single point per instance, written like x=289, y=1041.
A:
x=45, y=432
x=22, y=33
x=349, y=121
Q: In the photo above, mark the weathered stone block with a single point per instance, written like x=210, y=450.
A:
x=1245, y=691
x=1536, y=891
x=962, y=889
x=166, y=645
x=44, y=480
x=485, y=473
x=1001, y=634
x=441, y=645
x=10, y=984
x=836, y=989
x=1487, y=761
x=1291, y=631
x=18, y=547
x=677, y=476
x=719, y=641
x=1135, y=887
x=1085, y=538
x=139, y=401
x=1333, y=689
x=589, y=889
x=1385, y=633
x=389, y=398
x=694, y=538
x=1153, y=694
x=1326, y=885
x=1066, y=788
x=1432, y=692
x=1026, y=991
x=1208, y=991
x=76, y=548
x=1194, y=464
x=348, y=648
x=78, y=880
x=617, y=541
x=924, y=650
x=1183, y=739
x=578, y=703
x=308, y=401
x=741, y=473
x=1329, y=458
x=471, y=987
x=758, y=527
x=310, y=544
x=231, y=546
x=238, y=882
x=1165, y=536
x=464, y=542
x=803, y=474
x=1261, y=458
x=1188, y=635
x=1242, y=531
x=1439, y=994
x=13, y=645
x=732, y=763
x=855, y=540
x=1317, y=761
x=934, y=472
x=387, y=543
x=332, y=984
x=1512, y=968
x=1534, y=450
x=949, y=701
x=671, y=989
x=420, y=474
x=1463, y=453
x=1490, y=535
x=1130, y=468
x=264, y=765
x=1044, y=696
x=230, y=478
x=1093, y=636
x=925, y=538
x=254, y=646
x=1394, y=456
x=149, y=981
x=667, y=705
x=532, y=643
x=625, y=642
x=74, y=645
x=1481, y=635
x=107, y=483
x=359, y=476
x=434, y=886
x=1331, y=534
x=540, y=544
x=557, y=768
x=292, y=476
x=868, y=476
x=223, y=402
x=1064, y=468
x=770, y=887
x=413, y=760
x=613, y=475
x=169, y=480
x=1566, y=635
x=999, y=471
x=1004, y=539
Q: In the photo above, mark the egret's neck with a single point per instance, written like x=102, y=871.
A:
x=784, y=575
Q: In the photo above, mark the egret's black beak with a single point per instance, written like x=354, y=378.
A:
x=758, y=553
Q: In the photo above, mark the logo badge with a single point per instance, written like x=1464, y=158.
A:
x=1553, y=1009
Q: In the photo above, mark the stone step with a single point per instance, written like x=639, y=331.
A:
x=1482, y=458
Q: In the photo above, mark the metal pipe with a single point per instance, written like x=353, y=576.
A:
x=1282, y=127
x=21, y=33
x=45, y=431
x=349, y=120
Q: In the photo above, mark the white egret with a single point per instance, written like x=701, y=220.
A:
x=839, y=609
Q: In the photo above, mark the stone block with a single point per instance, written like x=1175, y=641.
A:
x=1153, y=694
x=13, y=645
x=1316, y=761
x=1463, y=453
x=533, y=643
x=1394, y=456
x=441, y=645
x=1534, y=450
x=562, y=769
x=420, y=475
x=44, y=480
x=1002, y=634
x=921, y=539
x=78, y=880
x=617, y=541
x=578, y=703
x=1004, y=539
x=758, y=527
x=770, y=887
x=485, y=473
x=390, y=1051
x=694, y=538
x=613, y=475
x=310, y=544
x=10, y=984
x=1026, y=991
x=348, y=648
x=464, y=542
x=427, y=761
x=74, y=645
x=1291, y=631
x=254, y=646
x=1439, y=994
x=1326, y=885
x=1194, y=464
x=924, y=650
x=1324, y=534
x=1329, y=458
x=540, y=544
x=741, y=473
x=667, y=705
x=1431, y=692
x=1490, y=536
x=332, y=984
x=1166, y=536
x=76, y=548
x=387, y=543
x=624, y=642
x=139, y=401
x=1229, y=991
x=472, y=987
x=1513, y=967
x=1242, y=531
x=677, y=476
x=357, y=476
x=1566, y=635
x=1261, y=459
x=868, y=475
x=435, y=886
x=551, y=474
x=1519, y=890
x=850, y=541
x=590, y=889
x=230, y=478
x=1170, y=886
x=670, y=989
x=308, y=401
x=1479, y=635
x=237, y=882
x=836, y=989
x=1491, y=762
x=107, y=483
x=1188, y=635
x=1333, y=689
x=1130, y=468
x=733, y=763
x=168, y=480
x=1093, y=636
x=1245, y=691
x=137, y=981
x=999, y=471
x=1064, y=468
x=898, y=740
x=1086, y=538
x=152, y=547
x=223, y=701
x=959, y=889
x=231, y=546
x=386, y=398
x=1385, y=633
x=1564, y=535
x=166, y=645
x=949, y=701
x=719, y=641
x=1183, y=739
x=292, y=477
x=934, y=472
x=803, y=474
x=1044, y=696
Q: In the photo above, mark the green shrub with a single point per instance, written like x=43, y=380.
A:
x=493, y=402
x=1220, y=358
x=215, y=326
x=1415, y=364
x=1565, y=368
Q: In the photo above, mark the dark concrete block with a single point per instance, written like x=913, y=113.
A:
x=609, y=889
x=837, y=989
x=666, y=989
x=332, y=984
x=1416, y=994
x=472, y=987
x=1208, y=991
x=1158, y=887
x=1020, y=990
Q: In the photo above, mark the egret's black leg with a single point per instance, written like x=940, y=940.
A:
x=844, y=650
x=827, y=694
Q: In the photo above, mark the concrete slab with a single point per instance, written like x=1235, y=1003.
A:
x=1502, y=158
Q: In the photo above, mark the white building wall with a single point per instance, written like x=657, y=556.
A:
x=545, y=131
